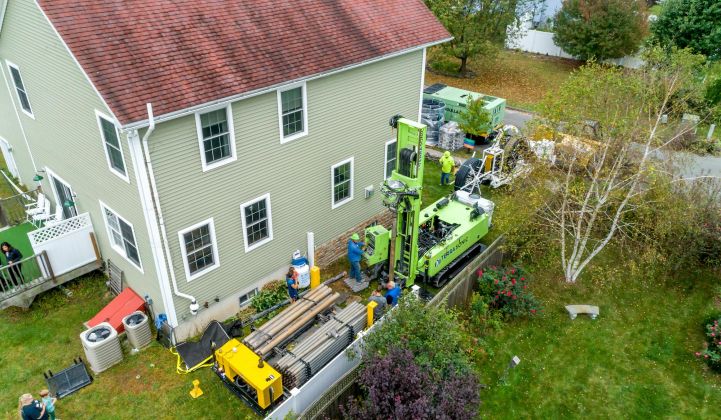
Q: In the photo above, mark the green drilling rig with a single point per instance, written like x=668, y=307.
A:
x=431, y=244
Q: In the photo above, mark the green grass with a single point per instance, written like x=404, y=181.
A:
x=635, y=361
x=142, y=386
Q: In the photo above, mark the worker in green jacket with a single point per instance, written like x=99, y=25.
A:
x=447, y=164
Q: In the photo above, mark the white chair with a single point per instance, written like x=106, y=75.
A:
x=36, y=207
x=56, y=218
x=44, y=216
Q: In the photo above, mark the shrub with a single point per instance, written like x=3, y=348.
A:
x=712, y=353
x=396, y=386
x=507, y=291
x=475, y=118
x=431, y=333
x=270, y=294
x=482, y=315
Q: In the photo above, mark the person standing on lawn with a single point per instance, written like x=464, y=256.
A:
x=355, y=253
x=31, y=409
x=447, y=164
x=291, y=280
x=13, y=257
x=48, y=403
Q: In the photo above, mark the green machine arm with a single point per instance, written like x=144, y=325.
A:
x=402, y=193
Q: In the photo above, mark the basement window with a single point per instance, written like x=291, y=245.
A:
x=122, y=236
x=248, y=297
x=216, y=137
x=257, y=222
x=111, y=143
x=20, y=89
x=292, y=111
x=199, y=249
x=342, y=180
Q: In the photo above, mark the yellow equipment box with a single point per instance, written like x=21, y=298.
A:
x=238, y=362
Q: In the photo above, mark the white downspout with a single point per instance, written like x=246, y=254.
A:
x=156, y=201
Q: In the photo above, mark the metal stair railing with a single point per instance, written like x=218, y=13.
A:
x=29, y=272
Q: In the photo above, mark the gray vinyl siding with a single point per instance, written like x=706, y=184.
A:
x=10, y=130
x=348, y=116
x=64, y=136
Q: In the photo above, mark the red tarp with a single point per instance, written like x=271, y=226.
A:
x=123, y=305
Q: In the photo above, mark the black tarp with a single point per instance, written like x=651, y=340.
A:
x=194, y=353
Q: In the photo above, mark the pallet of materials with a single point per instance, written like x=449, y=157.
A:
x=291, y=320
x=316, y=350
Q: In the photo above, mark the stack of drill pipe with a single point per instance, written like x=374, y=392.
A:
x=316, y=350
x=291, y=320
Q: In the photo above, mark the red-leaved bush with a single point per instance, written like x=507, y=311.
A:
x=506, y=290
x=395, y=387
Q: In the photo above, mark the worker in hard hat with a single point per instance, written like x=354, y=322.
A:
x=447, y=164
x=355, y=253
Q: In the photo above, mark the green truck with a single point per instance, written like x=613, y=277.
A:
x=431, y=244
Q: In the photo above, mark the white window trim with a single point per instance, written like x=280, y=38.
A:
x=385, y=160
x=254, y=291
x=335, y=205
x=16, y=67
x=116, y=248
x=98, y=116
x=265, y=197
x=184, y=255
x=303, y=133
x=231, y=137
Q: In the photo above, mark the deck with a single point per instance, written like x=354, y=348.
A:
x=54, y=255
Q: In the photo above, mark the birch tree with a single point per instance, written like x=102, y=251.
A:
x=604, y=178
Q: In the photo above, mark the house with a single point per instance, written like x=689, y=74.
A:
x=206, y=138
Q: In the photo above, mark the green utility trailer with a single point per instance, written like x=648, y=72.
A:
x=457, y=99
x=429, y=244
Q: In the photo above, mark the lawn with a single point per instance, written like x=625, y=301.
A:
x=142, y=386
x=635, y=361
x=522, y=78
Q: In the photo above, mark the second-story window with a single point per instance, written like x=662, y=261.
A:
x=216, y=137
x=292, y=110
x=20, y=89
x=111, y=143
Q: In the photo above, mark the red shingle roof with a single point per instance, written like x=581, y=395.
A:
x=182, y=53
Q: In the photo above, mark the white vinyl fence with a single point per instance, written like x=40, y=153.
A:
x=541, y=42
x=68, y=243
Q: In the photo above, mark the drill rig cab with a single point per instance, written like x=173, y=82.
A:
x=431, y=244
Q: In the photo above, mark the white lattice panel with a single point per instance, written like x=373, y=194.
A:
x=63, y=228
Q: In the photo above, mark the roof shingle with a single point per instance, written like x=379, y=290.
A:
x=182, y=53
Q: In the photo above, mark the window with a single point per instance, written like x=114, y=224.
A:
x=20, y=89
x=216, y=137
x=122, y=236
x=292, y=110
x=111, y=141
x=257, y=222
x=342, y=181
x=199, y=249
x=246, y=298
x=390, y=158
